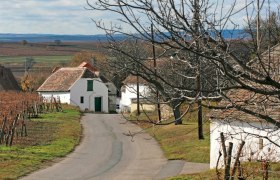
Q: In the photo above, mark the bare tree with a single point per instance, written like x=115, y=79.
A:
x=179, y=29
x=128, y=62
x=243, y=71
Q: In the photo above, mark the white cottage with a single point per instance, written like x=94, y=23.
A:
x=112, y=90
x=129, y=91
x=261, y=138
x=77, y=86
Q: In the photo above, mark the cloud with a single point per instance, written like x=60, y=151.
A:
x=71, y=16
x=46, y=16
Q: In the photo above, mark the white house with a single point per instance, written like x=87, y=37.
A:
x=129, y=91
x=77, y=86
x=112, y=90
x=261, y=138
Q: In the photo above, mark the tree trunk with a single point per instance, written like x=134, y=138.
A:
x=176, y=111
x=138, y=98
x=227, y=168
x=200, y=120
x=196, y=23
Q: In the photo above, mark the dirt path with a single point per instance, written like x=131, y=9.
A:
x=107, y=153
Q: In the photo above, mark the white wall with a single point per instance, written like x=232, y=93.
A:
x=129, y=92
x=64, y=96
x=80, y=89
x=112, y=96
x=235, y=131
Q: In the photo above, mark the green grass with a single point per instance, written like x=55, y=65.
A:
x=58, y=137
x=180, y=141
x=251, y=171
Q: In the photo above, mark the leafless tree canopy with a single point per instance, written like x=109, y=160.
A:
x=191, y=31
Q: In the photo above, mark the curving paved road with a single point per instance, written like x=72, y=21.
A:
x=106, y=153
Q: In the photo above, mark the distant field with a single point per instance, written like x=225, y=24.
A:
x=47, y=49
x=42, y=64
x=46, y=55
x=37, y=59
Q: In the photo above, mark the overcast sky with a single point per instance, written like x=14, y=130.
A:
x=46, y=16
x=61, y=16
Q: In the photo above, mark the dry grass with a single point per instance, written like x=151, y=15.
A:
x=251, y=171
x=179, y=141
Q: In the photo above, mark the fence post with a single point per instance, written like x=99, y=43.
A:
x=227, y=169
x=3, y=130
x=13, y=129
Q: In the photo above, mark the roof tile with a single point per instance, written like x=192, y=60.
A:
x=62, y=79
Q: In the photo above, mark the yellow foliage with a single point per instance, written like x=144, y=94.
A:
x=86, y=56
x=26, y=83
x=31, y=81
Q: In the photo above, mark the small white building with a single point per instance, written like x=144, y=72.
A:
x=261, y=138
x=129, y=91
x=112, y=90
x=77, y=86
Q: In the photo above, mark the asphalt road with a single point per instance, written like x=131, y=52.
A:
x=107, y=153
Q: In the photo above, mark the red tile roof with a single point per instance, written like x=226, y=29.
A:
x=89, y=66
x=257, y=103
x=62, y=79
x=94, y=70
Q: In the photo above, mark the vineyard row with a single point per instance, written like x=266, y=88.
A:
x=16, y=109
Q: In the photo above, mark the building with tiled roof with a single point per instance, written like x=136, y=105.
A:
x=90, y=67
x=112, y=90
x=7, y=80
x=78, y=86
x=243, y=119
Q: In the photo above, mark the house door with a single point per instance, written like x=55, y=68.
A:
x=98, y=103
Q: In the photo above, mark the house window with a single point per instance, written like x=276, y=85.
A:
x=90, y=85
x=82, y=99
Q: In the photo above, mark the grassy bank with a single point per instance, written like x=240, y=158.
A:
x=52, y=136
x=180, y=141
x=251, y=171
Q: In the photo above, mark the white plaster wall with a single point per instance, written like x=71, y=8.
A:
x=131, y=92
x=143, y=107
x=80, y=89
x=112, y=96
x=64, y=96
x=112, y=88
x=235, y=132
